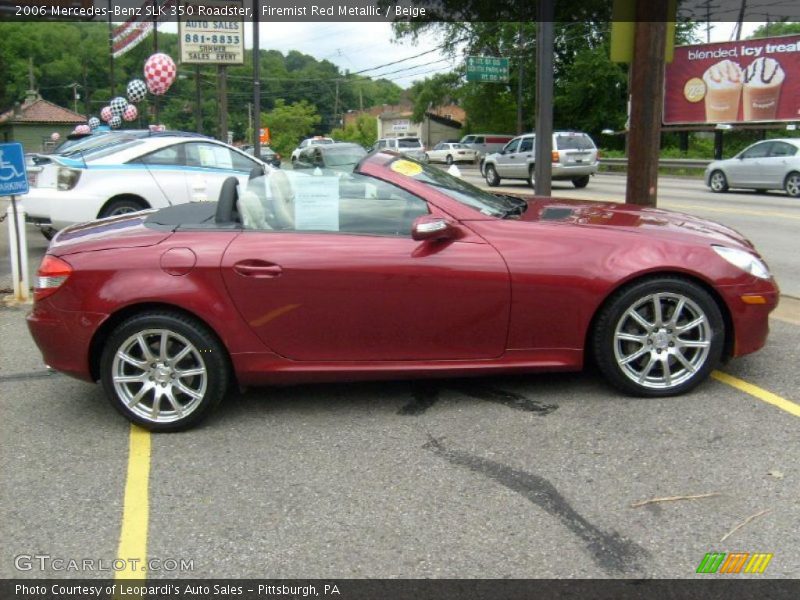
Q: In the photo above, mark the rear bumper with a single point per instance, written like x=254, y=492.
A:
x=571, y=171
x=64, y=337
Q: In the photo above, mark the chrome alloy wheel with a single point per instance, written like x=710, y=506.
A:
x=792, y=185
x=662, y=340
x=718, y=181
x=159, y=375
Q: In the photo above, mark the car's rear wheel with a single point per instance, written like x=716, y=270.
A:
x=792, y=184
x=718, y=182
x=164, y=371
x=119, y=207
x=490, y=174
x=659, y=337
x=581, y=182
x=449, y=160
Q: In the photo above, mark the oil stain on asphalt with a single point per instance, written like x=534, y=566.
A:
x=609, y=551
x=426, y=395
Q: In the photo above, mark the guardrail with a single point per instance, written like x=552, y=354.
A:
x=678, y=163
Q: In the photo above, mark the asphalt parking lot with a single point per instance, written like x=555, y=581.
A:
x=520, y=477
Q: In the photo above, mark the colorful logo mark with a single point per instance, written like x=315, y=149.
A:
x=734, y=562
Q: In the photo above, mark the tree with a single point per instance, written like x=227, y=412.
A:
x=290, y=123
x=773, y=29
x=364, y=131
x=437, y=90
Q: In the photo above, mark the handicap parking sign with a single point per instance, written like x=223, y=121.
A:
x=13, y=179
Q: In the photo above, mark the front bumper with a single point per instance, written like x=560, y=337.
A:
x=750, y=320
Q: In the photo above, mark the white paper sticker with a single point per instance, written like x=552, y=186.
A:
x=316, y=203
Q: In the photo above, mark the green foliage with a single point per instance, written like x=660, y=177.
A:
x=66, y=53
x=290, y=123
x=438, y=90
x=773, y=29
x=364, y=131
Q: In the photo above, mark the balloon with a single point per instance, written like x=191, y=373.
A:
x=159, y=73
x=130, y=113
x=106, y=114
x=115, y=122
x=137, y=90
x=55, y=136
x=94, y=123
x=118, y=106
x=83, y=129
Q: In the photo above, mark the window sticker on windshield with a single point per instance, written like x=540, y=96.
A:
x=406, y=167
x=316, y=203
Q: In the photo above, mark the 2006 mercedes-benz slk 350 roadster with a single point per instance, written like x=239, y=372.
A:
x=393, y=270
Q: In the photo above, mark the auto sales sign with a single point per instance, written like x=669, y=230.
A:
x=747, y=81
x=212, y=32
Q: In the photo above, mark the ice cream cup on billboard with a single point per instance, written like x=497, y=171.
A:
x=723, y=91
x=763, y=79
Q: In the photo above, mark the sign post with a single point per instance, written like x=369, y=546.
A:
x=13, y=182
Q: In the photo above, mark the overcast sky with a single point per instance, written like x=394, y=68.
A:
x=358, y=46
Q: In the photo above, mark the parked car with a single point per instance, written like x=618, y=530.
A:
x=450, y=153
x=410, y=146
x=132, y=175
x=574, y=157
x=767, y=165
x=317, y=140
x=267, y=155
x=340, y=156
x=396, y=270
x=486, y=143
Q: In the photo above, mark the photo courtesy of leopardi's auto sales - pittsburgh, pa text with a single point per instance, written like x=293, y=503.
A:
x=734, y=82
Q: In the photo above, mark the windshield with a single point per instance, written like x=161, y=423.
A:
x=409, y=143
x=344, y=156
x=458, y=189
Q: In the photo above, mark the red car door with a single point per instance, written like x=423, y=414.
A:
x=358, y=294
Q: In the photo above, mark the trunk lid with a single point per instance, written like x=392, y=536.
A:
x=124, y=231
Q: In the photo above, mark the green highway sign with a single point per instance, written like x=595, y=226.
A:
x=487, y=68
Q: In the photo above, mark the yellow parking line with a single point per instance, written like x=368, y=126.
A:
x=757, y=392
x=133, y=535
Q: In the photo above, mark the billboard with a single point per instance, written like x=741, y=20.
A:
x=211, y=32
x=748, y=81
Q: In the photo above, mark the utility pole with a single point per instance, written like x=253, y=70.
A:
x=31, y=81
x=647, y=98
x=198, y=101
x=75, y=95
x=111, y=49
x=256, y=127
x=155, y=50
x=336, y=107
x=520, y=75
x=250, y=124
x=545, y=33
x=222, y=86
x=740, y=20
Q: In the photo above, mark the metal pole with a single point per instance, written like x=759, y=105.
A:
x=111, y=49
x=198, y=101
x=18, y=245
x=545, y=33
x=520, y=75
x=155, y=50
x=222, y=87
x=256, y=84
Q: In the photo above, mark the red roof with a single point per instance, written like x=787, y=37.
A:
x=41, y=111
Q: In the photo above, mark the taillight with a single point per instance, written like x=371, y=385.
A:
x=67, y=178
x=52, y=274
x=556, y=157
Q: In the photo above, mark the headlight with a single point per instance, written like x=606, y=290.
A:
x=744, y=260
x=67, y=178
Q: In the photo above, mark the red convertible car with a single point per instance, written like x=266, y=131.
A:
x=393, y=270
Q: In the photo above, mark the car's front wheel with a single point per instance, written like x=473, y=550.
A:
x=792, y=184
x=164, y=371
x=490, y=174
x=659, y=337
x=718, y=182
x=449, y=160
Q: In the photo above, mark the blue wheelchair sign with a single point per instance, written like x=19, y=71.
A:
x=13, y=178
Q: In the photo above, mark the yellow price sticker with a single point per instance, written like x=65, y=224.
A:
x=406, y=167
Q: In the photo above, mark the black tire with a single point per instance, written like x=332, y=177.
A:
x=427, y=158
x=761, y=191
x=490, y=174
x=122, y=206
x=791, y=184
x=531, y=176
x=206, y=354
x=640, y=367
x=581, y=182
x=48, y=232
x=718, y=182
x=449, y=160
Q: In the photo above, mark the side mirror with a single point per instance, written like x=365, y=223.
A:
x=432, y=228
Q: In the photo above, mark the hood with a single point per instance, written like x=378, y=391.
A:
x=125, y=231
x=636, y=219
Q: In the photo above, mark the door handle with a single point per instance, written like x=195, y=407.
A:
x=257, y=268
